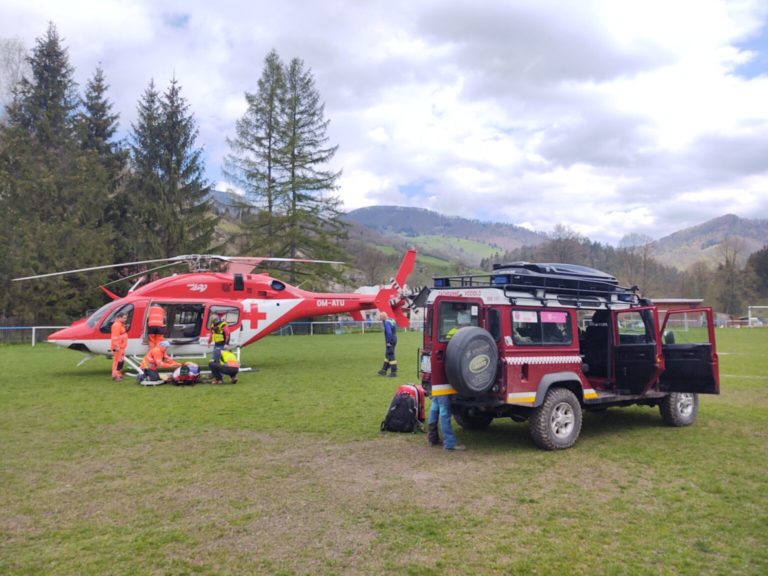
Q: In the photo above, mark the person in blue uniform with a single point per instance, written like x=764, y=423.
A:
x=390, y=338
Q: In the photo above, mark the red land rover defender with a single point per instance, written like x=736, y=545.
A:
x=545, y=342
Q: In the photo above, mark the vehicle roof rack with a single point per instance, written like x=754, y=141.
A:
x=571, y=283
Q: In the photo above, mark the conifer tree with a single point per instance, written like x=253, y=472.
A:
x=53, y=193
x=252, y=163
x=314, y=218
x=168, y=202
x=279, y=158
x=98, y=126
x=138, y=227
x=189, y=223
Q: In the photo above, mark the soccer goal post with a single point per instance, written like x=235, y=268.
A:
x=759, y=319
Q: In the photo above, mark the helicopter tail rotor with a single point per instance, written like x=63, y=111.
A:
x=395, y=299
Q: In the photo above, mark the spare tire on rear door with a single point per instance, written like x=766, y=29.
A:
x=471, y=361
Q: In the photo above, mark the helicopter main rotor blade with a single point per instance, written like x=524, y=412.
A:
x=143, y=272
x=270, y=259
x=91, y=269
x=190, y=259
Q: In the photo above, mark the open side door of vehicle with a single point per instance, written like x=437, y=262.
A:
x=689, y=352
x=635, y=350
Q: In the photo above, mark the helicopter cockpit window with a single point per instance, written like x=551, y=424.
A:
x=106, y=326
x=277, y=286
x=94, y=318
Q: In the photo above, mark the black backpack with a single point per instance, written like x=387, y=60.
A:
x=402, y=415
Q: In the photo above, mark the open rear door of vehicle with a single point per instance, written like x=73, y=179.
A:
x=690, y=354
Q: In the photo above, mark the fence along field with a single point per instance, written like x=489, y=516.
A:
x=287, y=473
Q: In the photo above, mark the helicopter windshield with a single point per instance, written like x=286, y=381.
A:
x=94, y=318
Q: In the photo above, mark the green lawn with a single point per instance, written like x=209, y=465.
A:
x=287, y=473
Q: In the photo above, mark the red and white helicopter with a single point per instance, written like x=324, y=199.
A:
x=254, y=305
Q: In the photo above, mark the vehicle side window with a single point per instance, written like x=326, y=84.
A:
x=633, y=329
x=455, y=315
x=106, y=326
x=541, y=327
x=683, y=327
x=494, y=323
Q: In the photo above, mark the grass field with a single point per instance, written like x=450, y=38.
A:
x=287, y=473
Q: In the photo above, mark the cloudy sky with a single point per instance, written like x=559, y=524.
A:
x=610, y=117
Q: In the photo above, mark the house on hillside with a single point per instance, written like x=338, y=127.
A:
x=231, y=204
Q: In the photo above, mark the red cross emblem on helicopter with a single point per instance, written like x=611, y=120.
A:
x=254, y=315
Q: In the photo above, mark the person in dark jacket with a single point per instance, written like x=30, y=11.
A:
x=390, y=338
x=228, y=364
x=219, y=335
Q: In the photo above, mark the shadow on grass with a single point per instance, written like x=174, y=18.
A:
x=504, y=434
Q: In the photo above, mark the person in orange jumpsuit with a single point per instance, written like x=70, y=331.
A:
x=118, y=344
x=154, y=360
x=155, y=325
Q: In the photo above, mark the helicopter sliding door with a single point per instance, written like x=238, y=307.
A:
x=185, y=322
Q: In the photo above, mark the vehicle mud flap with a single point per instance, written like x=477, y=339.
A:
x=471, y=361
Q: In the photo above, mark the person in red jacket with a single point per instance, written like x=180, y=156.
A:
x=118, y=344
x=156, y=359
x=155, y=325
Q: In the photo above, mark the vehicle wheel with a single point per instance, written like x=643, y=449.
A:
x=471, y=361
x=556, y=424
x=679, y=408
x=472, y=419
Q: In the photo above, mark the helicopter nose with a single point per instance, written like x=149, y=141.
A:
x=69, y=337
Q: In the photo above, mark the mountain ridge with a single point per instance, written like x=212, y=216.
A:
x=470, y=240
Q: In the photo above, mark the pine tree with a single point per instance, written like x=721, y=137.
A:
x=47, y=101
x=168, y=202
x=137, y=224
x=52, y=193
x=190, y=224
x=252, y=163
x=98, y=126
x=314, y=217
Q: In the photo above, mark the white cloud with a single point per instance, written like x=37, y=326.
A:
x=610, y=117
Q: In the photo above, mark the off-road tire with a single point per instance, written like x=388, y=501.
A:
x=472, y=420
x=556, y=424
x=679, y=408
x=471, y=361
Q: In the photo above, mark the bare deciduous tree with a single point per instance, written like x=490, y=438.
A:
x=13, y=67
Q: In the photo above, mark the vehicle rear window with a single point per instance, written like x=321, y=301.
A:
x=455, y=315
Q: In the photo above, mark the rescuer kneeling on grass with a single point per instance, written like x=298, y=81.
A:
x=226, y=364
x=156, y=359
